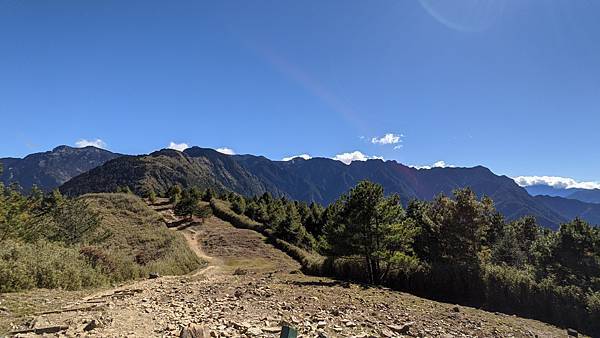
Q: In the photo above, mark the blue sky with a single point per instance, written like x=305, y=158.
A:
x=512, y=85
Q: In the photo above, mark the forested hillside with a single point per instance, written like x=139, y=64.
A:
x=160, y=170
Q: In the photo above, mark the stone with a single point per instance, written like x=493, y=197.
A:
x=194, y=331
x=241, y=326
x=572, y=333
x=403, y=329
x=271, y=329
x=350, y=323
x=321, y=324
x=386, y=333
x=456, y=308
x=92, y=324
x=153, y=275
x=322, y=334
x=254, y=331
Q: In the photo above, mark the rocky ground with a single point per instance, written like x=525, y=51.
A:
x=250, y=289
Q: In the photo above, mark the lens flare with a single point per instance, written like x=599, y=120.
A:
x=465, y=15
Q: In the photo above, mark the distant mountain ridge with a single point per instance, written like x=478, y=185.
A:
x=319, y=179
x=162, y=169
x=50, y=169
x=583, y=195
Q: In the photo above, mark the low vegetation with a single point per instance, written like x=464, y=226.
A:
x=49, y=241
x=457, y=249
x=188, y=204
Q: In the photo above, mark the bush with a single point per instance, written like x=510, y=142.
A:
x=223, y=210
x=44, y=265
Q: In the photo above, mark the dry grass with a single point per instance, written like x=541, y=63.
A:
x=241, y=248
x=140, y=241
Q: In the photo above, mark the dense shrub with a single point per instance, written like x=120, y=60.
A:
x=44, y=265
x=285, y=218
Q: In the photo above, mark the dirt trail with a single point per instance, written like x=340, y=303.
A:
x=249, y=288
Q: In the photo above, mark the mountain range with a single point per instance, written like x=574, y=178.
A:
x=50, y=169
x=583, y=195
x=80, y=171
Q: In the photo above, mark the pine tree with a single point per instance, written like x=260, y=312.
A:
x=373, y=226
x=238, y=204
x=174, y=194
x=151, y=195
x=209, y=194
x=190, y=206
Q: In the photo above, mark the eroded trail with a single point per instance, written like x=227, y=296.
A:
x=249, y=288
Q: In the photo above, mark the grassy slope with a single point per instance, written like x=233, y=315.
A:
x=140, y=242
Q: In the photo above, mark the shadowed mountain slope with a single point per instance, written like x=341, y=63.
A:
x=583, y=195
x=571, y=208
x=50, y=169
x=160, y=170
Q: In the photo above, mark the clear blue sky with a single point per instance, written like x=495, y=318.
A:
x=512, y=85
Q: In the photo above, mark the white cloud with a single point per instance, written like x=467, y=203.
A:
x=389, y=138
x=348, y=158
x=226, y=151
x=555, y=182
x=178, y=146
x=442, y=164
x=438, y=164
x=98, y=143
x=304, y=156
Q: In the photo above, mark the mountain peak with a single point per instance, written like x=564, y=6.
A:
x=62, y=148
x=48, y=170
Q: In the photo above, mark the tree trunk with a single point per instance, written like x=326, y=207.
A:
x=369, y=267
x=376, y=271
